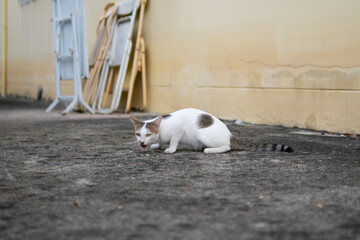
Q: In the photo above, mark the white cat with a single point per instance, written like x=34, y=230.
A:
x=195, y=128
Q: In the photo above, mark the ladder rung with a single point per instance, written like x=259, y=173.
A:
x=59, y=20
x=66, y=98
x=61, y=57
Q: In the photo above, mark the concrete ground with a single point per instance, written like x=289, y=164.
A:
x=84, y=177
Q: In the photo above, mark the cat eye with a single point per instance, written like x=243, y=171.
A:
x=137, y=134
x=148, y=135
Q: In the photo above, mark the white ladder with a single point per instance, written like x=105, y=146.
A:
x=70, y=48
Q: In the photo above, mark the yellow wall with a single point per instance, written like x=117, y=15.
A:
x=293, y=63
x=1, y=42
x=30, y=60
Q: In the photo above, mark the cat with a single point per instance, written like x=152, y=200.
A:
x=196, y=128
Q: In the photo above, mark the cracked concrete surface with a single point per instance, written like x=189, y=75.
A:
x=84, y=177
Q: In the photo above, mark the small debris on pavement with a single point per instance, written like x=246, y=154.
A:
x=77, y=203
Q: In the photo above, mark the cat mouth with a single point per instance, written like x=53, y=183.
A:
x=142, y=145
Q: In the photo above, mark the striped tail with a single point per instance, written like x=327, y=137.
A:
x=247, y=146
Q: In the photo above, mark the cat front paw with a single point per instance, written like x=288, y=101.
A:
x=155, y=146
x=169, y=150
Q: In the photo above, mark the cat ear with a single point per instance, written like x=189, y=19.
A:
x=157, y=121
x=135, y=121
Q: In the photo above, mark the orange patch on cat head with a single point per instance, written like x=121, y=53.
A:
x=137, y=123
x=154, y=126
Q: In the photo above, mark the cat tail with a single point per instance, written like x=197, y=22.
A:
x=247, y=146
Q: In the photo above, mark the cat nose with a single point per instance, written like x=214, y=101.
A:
x=142, y=142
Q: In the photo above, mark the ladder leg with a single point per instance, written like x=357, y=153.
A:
x=121, y=78
x=131, y=88
x=69, y=107
x=99, y=87
x=52, y=105
x=87, y=106
x=143, y=72
x=88, y=82
x=109, y=83
x=136, y=57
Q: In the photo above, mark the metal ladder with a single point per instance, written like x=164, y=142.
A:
x=70, y=48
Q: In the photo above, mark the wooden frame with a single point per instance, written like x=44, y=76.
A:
x=139, y=62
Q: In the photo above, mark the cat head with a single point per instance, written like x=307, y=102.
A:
x=146, y=132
